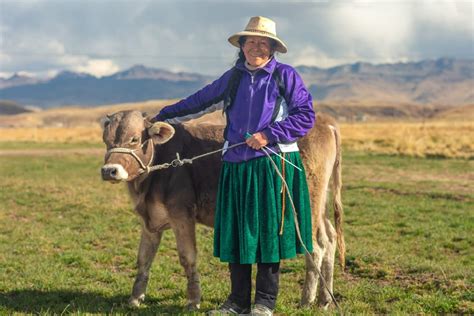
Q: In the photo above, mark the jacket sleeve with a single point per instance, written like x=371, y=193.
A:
x=301, y=116
x=207, y=100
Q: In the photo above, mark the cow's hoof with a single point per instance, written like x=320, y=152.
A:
x=306, y=302
x=324, y=306
x=136, y=301
x=191, y=307
x=304, y=305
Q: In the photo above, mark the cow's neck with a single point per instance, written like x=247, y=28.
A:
x=138, y=188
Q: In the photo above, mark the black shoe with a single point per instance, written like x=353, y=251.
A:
x=230, y=308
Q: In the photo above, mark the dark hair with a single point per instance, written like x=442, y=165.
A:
x=241, y=55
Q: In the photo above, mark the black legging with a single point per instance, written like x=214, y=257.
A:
x=268, y=275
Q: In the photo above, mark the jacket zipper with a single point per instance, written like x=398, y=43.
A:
x=252, y=77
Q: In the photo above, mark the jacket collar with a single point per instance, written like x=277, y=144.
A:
x=269, y=67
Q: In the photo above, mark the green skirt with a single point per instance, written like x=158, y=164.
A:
x=249, y=211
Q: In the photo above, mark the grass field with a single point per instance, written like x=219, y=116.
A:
x=68, y=241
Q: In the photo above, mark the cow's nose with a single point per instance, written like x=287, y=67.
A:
x=109, y=173
x=113, y=172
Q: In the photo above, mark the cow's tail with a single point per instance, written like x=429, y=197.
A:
x=337, y=203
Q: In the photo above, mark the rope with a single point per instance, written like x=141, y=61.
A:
x=295, y=216
x=180, y=162
x=298, y=232
x=283, y=196
x=144, y=168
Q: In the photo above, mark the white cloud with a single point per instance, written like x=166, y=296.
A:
x=50, y=73
x=26, y=73
x=36, y=44
x=97, y=67
x=49, y=35
x=4, y=58
x=54, y=46
x=371, y=30
x=455, y=16
x=312, y=56
x=5, y=75
x=178, y=68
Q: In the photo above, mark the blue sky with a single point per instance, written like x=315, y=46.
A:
x=100, y=37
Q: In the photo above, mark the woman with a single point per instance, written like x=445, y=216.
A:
x=269, y=109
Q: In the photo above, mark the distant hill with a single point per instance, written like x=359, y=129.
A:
x=136, y=84
x=442, y=82
x=460, y=113
x=11, y=108
x=17, y=80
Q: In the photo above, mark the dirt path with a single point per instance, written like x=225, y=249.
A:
x=51, y=152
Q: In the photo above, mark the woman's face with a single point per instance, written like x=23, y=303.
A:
x=257, y=50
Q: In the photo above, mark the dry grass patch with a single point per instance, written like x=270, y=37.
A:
x=420, y=139
x=431, y=138
x=428, y=139
x=52, y=134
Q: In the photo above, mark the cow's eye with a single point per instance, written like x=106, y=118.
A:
x=135, y=140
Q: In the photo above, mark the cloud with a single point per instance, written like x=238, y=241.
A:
x=312, y=56
x=384, y=32
x=97, y=67
x=371, y=30
x=85, y=64
x=447, y=15
x=4, y=58
x=98, y=36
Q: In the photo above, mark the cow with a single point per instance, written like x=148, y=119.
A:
x=179, y=198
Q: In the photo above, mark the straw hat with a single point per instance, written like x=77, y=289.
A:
x=259, y=26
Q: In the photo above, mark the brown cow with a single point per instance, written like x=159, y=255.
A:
x=178, y=198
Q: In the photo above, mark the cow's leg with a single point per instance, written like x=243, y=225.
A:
x=184, y=230
x=327, y=266
x=149, y=243
x=318, y=177
x=313, y=264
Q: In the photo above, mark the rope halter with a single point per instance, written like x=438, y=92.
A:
x=144, y=168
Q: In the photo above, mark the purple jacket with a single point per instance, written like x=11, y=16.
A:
x=252, y=109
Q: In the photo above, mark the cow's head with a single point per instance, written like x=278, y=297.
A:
x=130, y=139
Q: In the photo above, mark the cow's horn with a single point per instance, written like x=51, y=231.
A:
x=104, y=121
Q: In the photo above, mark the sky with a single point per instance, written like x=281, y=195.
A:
x=100, y=37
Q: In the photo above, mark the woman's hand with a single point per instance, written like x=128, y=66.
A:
x=152, y=119
x=257, y=141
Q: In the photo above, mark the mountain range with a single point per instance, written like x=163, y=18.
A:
x=445, y=81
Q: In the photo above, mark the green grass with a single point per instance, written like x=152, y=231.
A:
x=68, y=241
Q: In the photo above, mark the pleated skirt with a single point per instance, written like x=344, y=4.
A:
x=251, y=223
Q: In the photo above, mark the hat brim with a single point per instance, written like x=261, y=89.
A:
x=234, y=40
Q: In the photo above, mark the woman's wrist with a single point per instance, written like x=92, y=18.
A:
x=257, y=141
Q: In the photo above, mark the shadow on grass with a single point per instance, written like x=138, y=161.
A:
x=57, y=302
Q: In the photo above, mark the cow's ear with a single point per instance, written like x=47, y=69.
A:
x=161, y=132
x=104, y=122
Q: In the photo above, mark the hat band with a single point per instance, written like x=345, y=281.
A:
x=260, y=31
